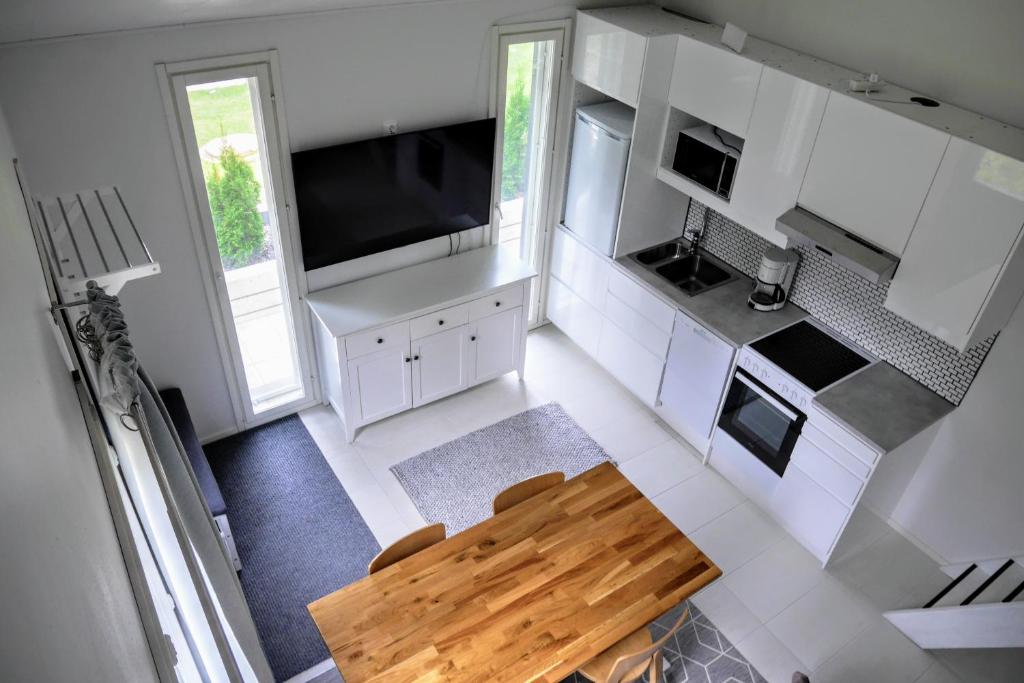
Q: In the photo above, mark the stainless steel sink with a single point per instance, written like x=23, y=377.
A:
x=692, y=273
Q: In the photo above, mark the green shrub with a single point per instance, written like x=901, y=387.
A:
x=234, y=201
x=517, y=123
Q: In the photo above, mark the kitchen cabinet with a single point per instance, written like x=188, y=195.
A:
x=628, y=361
x=870, y=170
x=808, y=511
x=584, y=271
x=440, y=365
x=714, y=84
x=580, y=321
x=783, y=125
x=962, y=273
x=494, y=344
x=381, y=383
x=608, y=58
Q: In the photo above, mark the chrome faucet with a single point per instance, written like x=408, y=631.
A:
x=696, y=235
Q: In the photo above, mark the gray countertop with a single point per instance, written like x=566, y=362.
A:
x=883, y=406
x=723, y=309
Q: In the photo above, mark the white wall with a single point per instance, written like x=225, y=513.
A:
x=68, y=610
x=88, y=112
x=965, y=52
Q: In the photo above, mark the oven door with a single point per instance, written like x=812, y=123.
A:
x=761, y=421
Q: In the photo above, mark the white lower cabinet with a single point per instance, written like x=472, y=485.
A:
x=808, y=511
x=580, y=321
x=381, y=383
x=494, y=344
x=630, y=363
x=440, y=365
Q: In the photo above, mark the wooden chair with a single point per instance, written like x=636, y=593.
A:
x=406, y=546
x=626, y=660
x=528, y=488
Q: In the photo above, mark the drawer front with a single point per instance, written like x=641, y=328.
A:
x=809, y=512
x=579, y=269
x=580, y=321
x=825, y=471
x=834, y=431
x=630, y=363
x=379, y=339
x=510, y=297
x=439, y=321
x=637, y=297
x=649, y=335
x=836, y=451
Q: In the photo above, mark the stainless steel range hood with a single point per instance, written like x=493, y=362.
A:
x=844, y=248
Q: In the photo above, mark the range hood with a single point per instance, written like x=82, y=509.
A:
x=844, y=248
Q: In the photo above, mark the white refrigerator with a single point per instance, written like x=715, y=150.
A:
x=600, y=149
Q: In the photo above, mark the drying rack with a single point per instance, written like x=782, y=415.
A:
x=91, y=237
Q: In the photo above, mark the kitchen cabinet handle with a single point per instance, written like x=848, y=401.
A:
x=473, y=338
x=380, y=340
x=415, y=357
x=497, y=303
x=440, y=322
x=408, y=360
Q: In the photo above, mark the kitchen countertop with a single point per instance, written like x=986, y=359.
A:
x=723, y=309
x=883, y=406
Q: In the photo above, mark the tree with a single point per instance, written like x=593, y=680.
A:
x=517, y=123
x=234, y=201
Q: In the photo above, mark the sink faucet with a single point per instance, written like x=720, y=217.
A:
x=696, y=235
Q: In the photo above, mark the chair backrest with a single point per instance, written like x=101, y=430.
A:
x=528, y=488
x=626, y=663
x=406, y=546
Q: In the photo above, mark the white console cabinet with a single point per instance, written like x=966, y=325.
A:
x=405, y=338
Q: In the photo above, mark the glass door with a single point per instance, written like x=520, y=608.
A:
x=529, y=64
x=230, y=140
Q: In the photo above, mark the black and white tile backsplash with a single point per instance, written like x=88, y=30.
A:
x=852, y=306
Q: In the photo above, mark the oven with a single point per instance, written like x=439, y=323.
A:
x=760, y=421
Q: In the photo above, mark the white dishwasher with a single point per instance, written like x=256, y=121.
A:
x=696, y=373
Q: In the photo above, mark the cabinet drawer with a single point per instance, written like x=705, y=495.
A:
x=836, y=451
x=381, y=338
x=825, y=471
x=509, y=297
x=580, y=321
x=637, y=326
x=809, y=512
x=439, y=321
x=633, y=365
x=579, y=269
x=642, y=301
x=827, y=426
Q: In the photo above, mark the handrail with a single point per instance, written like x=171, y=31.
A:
x=986, y=583
x=945, y=591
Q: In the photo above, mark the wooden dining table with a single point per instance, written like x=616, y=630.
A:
x=529, y=594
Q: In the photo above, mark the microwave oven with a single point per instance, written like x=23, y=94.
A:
x=708, y=156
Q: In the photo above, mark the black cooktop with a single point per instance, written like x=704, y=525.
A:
x=813, y=357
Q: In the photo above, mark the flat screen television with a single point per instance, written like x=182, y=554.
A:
x=365, y=197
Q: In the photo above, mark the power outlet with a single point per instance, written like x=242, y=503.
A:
x=390, y=127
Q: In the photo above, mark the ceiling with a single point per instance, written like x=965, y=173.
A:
x=22, y=20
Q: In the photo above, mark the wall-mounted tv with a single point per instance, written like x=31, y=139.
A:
x=366, y=197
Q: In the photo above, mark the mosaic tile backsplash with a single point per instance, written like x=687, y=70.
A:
x=852, y=306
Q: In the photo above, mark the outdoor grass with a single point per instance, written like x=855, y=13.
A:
x=221, y=111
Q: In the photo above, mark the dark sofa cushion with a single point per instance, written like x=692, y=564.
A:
x=175, y=402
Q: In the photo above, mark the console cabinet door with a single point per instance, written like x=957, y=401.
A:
x=494, y=344
x=608, y=58
x=381, y=383
x=440, y=365
x=870, y=170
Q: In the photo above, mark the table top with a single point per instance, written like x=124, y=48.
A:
x=527, y=595
x=417, y=289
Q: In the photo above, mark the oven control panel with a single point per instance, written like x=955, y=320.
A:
x=778, y=381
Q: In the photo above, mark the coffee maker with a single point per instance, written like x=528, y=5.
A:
x=774, y=278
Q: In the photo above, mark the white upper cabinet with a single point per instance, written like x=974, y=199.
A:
x=962, y=273
x=608, y=58
x=714, y=84
x=783, y=125
x=870, y=171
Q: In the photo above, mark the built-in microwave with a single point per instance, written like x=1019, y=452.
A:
x=708, y=156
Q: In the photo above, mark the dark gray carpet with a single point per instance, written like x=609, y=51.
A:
x=455, y=483
x=298, y=534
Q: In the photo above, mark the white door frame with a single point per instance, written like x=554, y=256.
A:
x=502, y=36
x=173, y=78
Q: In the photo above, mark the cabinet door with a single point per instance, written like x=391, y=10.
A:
x=583, y=271
x=714, y=84
x=870, y=171
x=608, y=58
x=787, y=113
x=495, y=344
x=580, y=321
x=440, y=365
x=630, y=363
x=809, y=512
x=953, y=279
x=381, y=383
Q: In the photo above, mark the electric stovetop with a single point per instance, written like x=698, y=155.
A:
x=810, y=355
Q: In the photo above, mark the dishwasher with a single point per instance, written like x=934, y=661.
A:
x=696, y=373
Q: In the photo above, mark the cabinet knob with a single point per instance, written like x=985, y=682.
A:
x=440, y=322
x=472, y=338
x=497, y=303
x=408, y=360
x=415, y=357
x=380, y=340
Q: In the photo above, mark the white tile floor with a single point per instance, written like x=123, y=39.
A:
x=775, y=602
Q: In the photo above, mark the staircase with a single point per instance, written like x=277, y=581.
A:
x=976, y=610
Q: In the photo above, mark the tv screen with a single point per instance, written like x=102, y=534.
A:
x=365, y=197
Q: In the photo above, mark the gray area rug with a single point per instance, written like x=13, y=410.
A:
x=456, y=482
